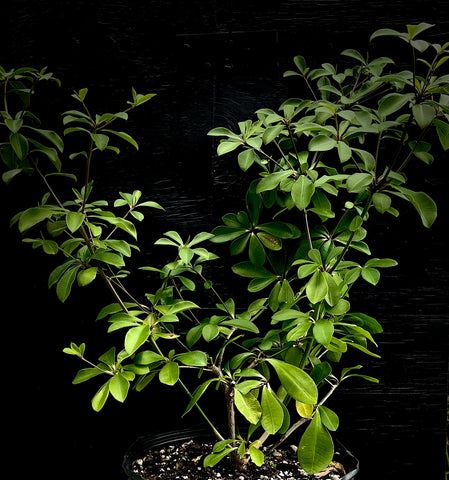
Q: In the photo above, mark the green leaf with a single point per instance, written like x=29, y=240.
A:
x=247, y=269
x=194, y=359
x=119, y=386
x=85, y=374
x=109, y=258
x=271, y=181
x=423, y=204
x=123, y=136
x=50, y=247
x=51, y=136
x=100, y=397
x=322, y=143
x=414, y=30
x=19, y=144
x=354, y=54
x=302, y=192
x=213, y=458
x=241, y=324
x=33, y=216
x=316, y=448
x=386, y=32
x=381, y=263
x=393, y=102
x=381, y=202
x=323, y=331
x=87, y=276
x=271, y=133
x=248, y=406
x=147, y=357
x=14, y=125
x=74, y=220
x=272, y=412
x=371, y=275
x=256, y=455
x=316, y=288
x=246, y=159
x=423, y=113
x=256, y=251
x=136, y=337
x=358, y=182
x=101, y=141
x=295, y=381
x=344, y=151
x=198, y=393
x=169, y=373
x=226, y=147
x=442, y=129
x=329, y=418
x=221, y=132
x=64, y=286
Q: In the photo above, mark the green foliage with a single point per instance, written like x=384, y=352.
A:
x=325, y=166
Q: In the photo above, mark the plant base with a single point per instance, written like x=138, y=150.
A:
x=179, y=456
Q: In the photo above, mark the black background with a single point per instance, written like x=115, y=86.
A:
x=211, y=63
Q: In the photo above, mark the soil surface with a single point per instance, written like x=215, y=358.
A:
x=185, y=462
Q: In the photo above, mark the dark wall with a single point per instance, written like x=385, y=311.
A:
x=211, y=64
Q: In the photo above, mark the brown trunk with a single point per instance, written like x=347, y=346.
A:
x=235, y=457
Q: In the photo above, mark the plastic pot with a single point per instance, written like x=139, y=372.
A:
x=143, y=444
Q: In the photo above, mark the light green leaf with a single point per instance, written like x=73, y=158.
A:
x=371, y=275
x=271, y=181
x=272, y=412
x=256, y=455
x=302, y=192
x=248, y=406
x=226, y=147
x=169, y=373
x=119, y=386
x=295, y=381
x=147, y=357
x=109, y=258
x=74, y=220
x=247, y=269
x=212, y=459
x=135, y=337
x=323, y=331
x=85, y=374
x=100, y=397
x=242, y=324
x=33, y=216
x=316, y=448
x=64, y=286
x=87, y=276
x=316, y=288
x=194, y=359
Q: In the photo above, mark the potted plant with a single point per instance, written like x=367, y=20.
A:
x=324, y=166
